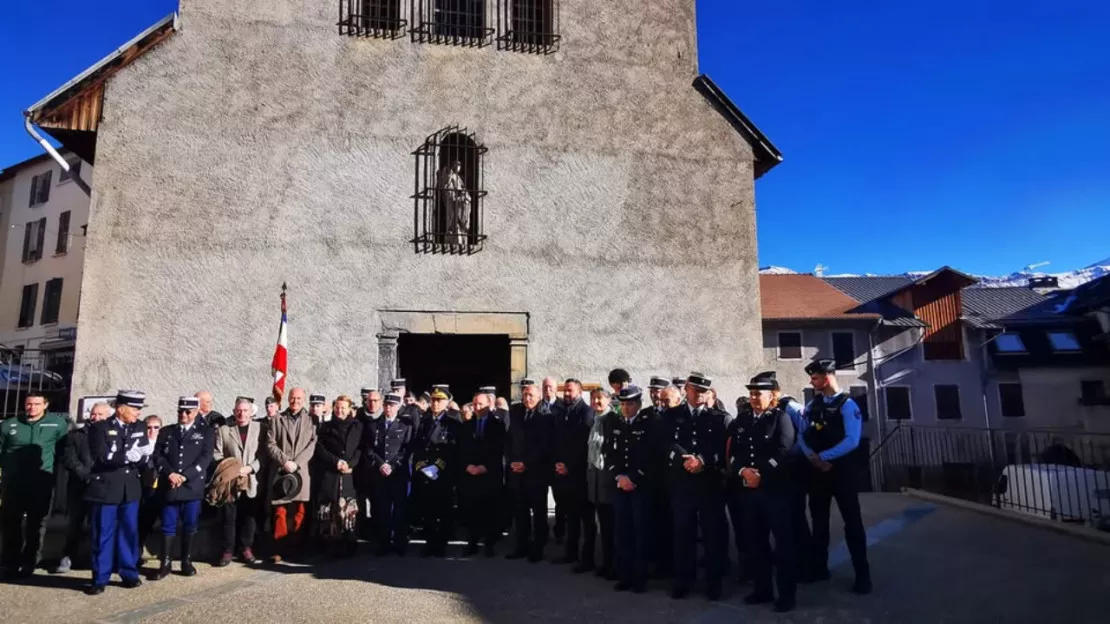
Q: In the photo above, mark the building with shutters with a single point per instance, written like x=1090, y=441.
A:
x=42, y=217
x=463, y=192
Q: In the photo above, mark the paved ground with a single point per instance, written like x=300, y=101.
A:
x=931, y=564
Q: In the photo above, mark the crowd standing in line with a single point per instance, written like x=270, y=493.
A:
x=650, y=476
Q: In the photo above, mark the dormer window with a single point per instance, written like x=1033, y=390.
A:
x=1063, y=341
x=1009, y=343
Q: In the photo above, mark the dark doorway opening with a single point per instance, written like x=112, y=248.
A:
x=465, y=361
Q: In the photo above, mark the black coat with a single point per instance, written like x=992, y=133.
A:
x=705, y=437
x=634, y=449
x=187, y=453
x=437, y=442
x=762, y=443
x=387, y=443
x=487, y=449
x=530, y=441
x=572, y=430
x=74, y=469
x=338, y=440
x=113, y=480
x=213, y=420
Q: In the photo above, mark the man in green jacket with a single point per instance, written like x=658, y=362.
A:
x=27, y=446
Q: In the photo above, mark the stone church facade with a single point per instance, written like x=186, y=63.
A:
x=601, y=213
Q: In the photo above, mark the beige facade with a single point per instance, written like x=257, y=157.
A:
x=47, y=320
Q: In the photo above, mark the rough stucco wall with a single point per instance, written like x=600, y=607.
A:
x=258, y=146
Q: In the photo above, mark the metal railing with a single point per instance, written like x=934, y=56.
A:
x=1055, y=474
x=24, y=371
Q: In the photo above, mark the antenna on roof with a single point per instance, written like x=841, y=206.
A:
x=819, y=270
x=1036, y=265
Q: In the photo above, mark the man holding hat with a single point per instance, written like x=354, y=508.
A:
x=631, y=452
x=760, y=441
x=387, y=449
x=290, y=445
x=118, y=447
x=435, y=470
x=528, y=457
x=695, y=459
x=182, y=457
x=833, y=428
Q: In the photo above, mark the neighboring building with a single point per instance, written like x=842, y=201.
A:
x=601, y=212
x=42, y=215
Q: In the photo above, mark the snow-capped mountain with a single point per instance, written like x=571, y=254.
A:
x=1067, y=279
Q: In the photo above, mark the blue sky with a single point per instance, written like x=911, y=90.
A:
x=915, y=134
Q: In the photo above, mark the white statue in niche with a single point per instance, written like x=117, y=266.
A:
x=456, y=201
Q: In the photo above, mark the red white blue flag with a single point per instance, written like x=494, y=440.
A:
x=280, y=364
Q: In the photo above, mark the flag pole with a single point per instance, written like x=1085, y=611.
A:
x=280, y=365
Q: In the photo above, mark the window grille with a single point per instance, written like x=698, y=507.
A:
x=449, y=194
x=371, y=18
x=451, y=22
x=530, y=26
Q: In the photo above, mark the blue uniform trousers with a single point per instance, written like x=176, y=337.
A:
x=187, y=511
x=115, y=541
x=633, y=529
x=691, y=509
x=767, y=512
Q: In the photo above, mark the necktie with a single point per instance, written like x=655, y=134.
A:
x=528, y=416
x=481, y=426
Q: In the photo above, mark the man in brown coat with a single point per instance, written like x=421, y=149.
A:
x=290, y=443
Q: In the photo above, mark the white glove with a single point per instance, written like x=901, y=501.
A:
x=147, y=449
x=134, y=454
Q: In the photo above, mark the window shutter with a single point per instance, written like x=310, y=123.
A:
x=34, y=191
x=42, y=237
x=63, y=233
x=44, y=187
x=27, y=241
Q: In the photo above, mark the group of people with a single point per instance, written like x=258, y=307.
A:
x=651, y=475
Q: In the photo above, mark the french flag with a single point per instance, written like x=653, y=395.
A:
x=280, y=364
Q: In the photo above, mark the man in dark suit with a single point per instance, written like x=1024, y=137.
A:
x=387, y=448
x=182, y=458
x=118, y=447
x=528, y=456
x=481, y=449
x=78, y=464
x=572, y=430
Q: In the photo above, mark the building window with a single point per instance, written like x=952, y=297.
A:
x=790, y=345
x=859, y=395
x=40, y=188
x=34, y=236
x=450, y=22
x=948, y=402
x=1009, y=343
x=51, y=301
x=449, y=197
x=74, y=170
x=371, y=18
x=1063, y=341
x=1093, y=392
x=1011, y=399
x=27, y=305
x=898, y=403
x=62, y=245
x=844, y=350
x=528, y=26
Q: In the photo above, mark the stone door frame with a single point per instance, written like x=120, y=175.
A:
x=396, y=322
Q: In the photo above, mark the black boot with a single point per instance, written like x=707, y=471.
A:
x=165, y=560
x=187, y=568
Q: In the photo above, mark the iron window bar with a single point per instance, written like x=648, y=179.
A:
x=436, y=227
x=451, y=22
x=380, y=19
x=528, y=26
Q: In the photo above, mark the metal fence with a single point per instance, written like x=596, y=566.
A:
x=1060, y=475
x=47, y=372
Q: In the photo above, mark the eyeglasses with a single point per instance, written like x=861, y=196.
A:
x=153, y=427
